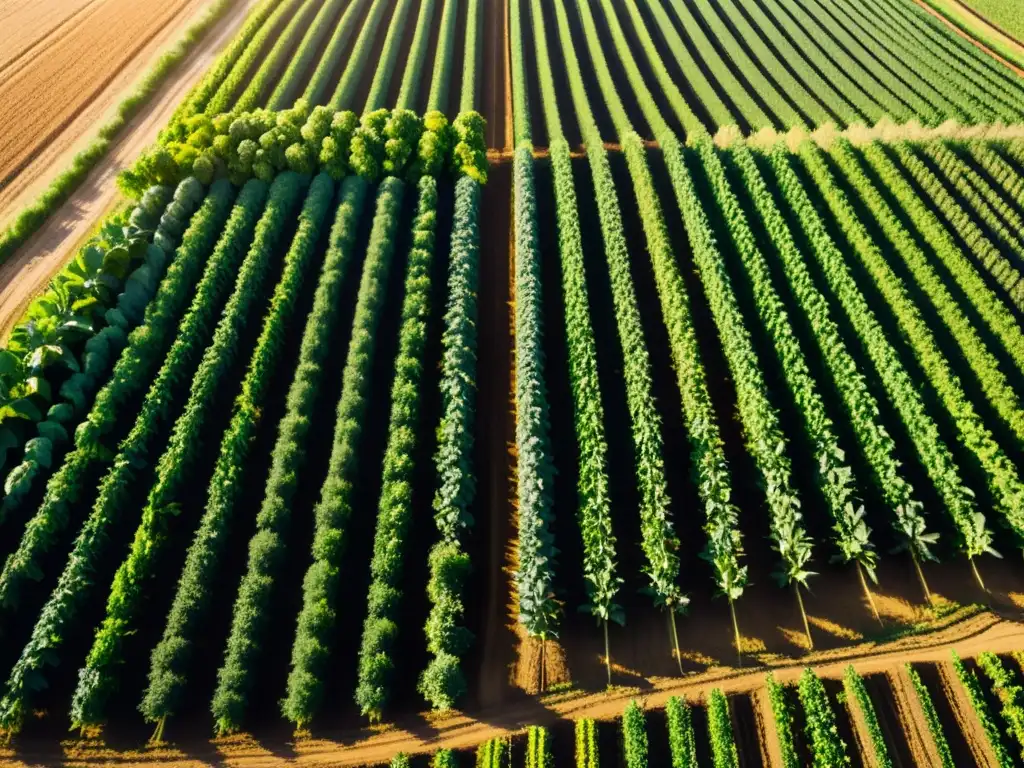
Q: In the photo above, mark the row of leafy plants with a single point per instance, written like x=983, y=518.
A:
x=306, y=139
x=181, y=287
x=828, y=750
x=1004, y=481
x=443, y=681
x=251, y=613
x=835, y=477
x=857, y=693
x=682, y=741
x=998, y=215
x=971, y=63
x=1010, y=694
x=594, y=512
x=394, y=515
x=859, y=404
x=587, y=753
x=976, y=697
x=659, y=540
x=63, y=350
x=99, y=677
x=171, y=659
x=538, y=748
x=497, y=753
x=931, y=717
x=131, y=375
x=973, y=536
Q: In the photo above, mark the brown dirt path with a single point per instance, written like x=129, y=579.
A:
x=26, y=274
x=912, y=718
x=981, y=632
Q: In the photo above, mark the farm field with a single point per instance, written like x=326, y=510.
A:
x=44, y=43
x=619, y=381
x=1002, y=14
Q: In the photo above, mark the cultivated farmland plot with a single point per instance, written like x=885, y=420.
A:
x=520, y=362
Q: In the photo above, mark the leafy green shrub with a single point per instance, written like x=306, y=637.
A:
x=681, y=739
x=723, y=743
x=634, y=736
x=783, y=720
x=828, y=750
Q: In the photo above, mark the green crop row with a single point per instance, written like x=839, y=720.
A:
x=723, y=743
x=1009, y=693
x=857, y=692
x=99, y=677
x=828, y=750
x=171, y=659
x=586, y=743
x=782, y=718
x=394, y=514
x=56, y=619
x=976, y=696
x=443, y=681
x=931, y=717
x=251, y=610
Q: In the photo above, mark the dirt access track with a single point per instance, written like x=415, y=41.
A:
x=68, y=102
x=969, y=637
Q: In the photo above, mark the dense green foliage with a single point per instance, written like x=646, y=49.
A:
x=782, y=719
x=958, y=499
x=133, y=371
x=1010, y=694
x=56, y=621
x=171, y=658
x=931, y=717
x=394, y=513
x=836, y=477
x=81, y=324
x=586, y=743
x=315, y=635
x=634, y=736
x=538, y=610
x=250, y=613
x=682, y=741
x=594, y=512
x=98, y=678
x=828, y=750
x=443, y=681
x=538, y=748
x=723, y=744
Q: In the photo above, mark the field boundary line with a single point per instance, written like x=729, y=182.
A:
x=957, y=29
x=970, y=635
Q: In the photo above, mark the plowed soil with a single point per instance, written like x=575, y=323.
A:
x=27, y=273
x=28, y=26
x=54, y=81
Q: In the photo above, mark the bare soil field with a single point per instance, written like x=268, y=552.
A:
x=28, y=26
x=25, y=275
x=40, y=99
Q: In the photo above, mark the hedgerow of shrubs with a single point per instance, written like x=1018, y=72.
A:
x=262, y=143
